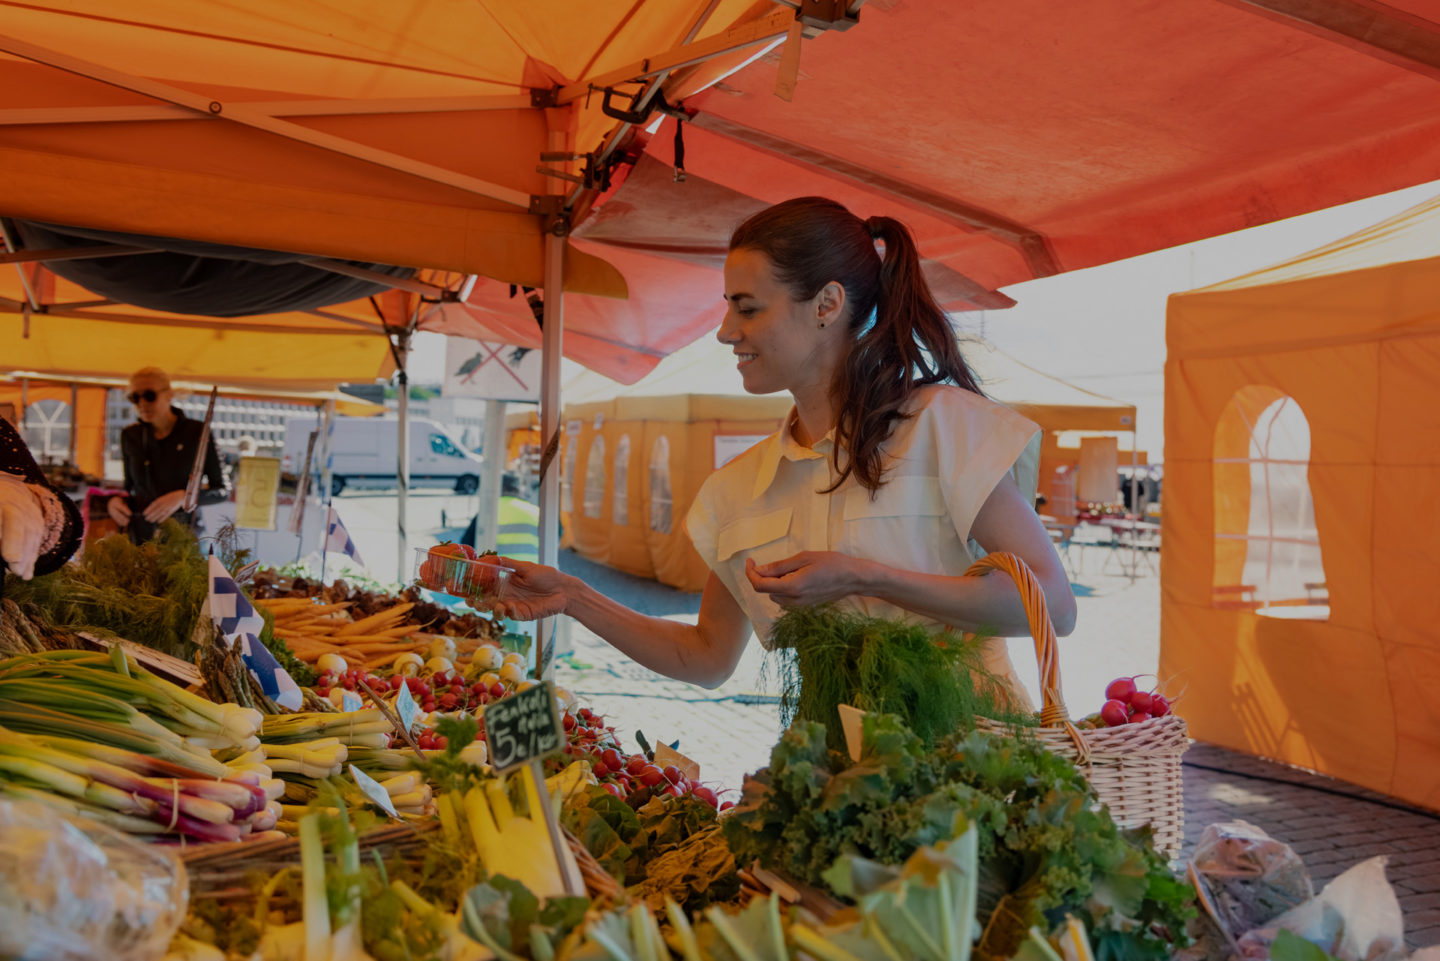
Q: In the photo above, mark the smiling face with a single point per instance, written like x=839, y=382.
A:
x=778, y=341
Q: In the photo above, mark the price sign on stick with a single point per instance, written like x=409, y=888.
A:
x=524, y=728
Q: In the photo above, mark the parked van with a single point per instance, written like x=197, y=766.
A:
x=364, y=455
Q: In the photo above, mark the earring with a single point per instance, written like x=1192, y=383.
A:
x=822, y=325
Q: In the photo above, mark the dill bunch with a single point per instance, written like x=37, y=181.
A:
x=937, y=684
x=150, y=593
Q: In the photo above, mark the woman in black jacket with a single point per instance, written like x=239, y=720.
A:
x=158, y=451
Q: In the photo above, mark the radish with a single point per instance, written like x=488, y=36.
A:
x=636, y=765
x=672, y=773
x=1142, y=701
x=1159, y=705
x=706, y=795
x=1139, y=717
x=1120, y=689
x=651, y=776
x=612, y=760
x=1114, y=713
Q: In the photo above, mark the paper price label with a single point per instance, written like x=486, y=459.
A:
x=406, y=708
x=374, y=790
x=523, y=727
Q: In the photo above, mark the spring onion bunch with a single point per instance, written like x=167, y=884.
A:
x=135, y=792
x=95, y=685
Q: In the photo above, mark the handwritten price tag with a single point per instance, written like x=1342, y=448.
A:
x=406, y=708
x=374, y=790
x=523, y=727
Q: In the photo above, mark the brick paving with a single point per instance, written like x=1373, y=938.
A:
x=1332, y=825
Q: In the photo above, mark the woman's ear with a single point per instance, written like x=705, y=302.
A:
x=829, y=304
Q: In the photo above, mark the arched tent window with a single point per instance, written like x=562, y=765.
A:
x=661, y=504
x=567, y=479
x=1267, y=547
x=620, y=514
x=595, y=478
x=47, y=430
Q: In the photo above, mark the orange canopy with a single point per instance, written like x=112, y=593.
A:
x=1018, y=138
x=1298, y=601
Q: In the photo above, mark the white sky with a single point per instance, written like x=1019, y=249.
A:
x=1104, y=328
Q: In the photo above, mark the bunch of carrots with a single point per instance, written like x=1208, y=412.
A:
x=311, y=630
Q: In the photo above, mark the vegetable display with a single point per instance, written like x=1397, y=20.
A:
x=1046, y=847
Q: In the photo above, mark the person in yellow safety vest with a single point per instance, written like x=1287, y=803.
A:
x=518, y=533
x=518, y=529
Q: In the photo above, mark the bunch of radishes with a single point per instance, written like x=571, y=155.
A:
x=1126, y=704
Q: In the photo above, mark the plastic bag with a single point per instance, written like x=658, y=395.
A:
x=1246, y=878
x=74, y=890
x=1356, y=917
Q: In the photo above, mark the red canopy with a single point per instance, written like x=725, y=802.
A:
x=1018, y=138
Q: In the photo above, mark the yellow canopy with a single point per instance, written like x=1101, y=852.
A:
x=1298, y=598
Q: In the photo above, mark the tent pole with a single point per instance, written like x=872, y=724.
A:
x=402, y=445
x=327, y=429
x=487, y=526
x=550, y=431
x=74, y=424
x=1134, y=502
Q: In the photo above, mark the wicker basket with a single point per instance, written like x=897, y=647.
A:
x=1134, y=768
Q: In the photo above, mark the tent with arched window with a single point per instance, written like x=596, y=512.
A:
x=1299, y=608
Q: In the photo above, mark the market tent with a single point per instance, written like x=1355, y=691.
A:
x=635, y=456
x=1015, y=138
x=1302, y=473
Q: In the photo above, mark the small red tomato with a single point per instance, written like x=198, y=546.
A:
x=1114, y=713
x=1159, y=705
x=1120, y=689
x=1139, y=717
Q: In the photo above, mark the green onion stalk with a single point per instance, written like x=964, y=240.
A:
x=118, y=676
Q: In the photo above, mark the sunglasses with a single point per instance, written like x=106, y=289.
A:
x=148, y=396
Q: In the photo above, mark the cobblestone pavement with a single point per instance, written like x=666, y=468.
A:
x=730, y=731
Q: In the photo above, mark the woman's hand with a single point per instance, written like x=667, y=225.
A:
x=119, y=510
x=810, y=577
x=533, y=591
x=163, y=506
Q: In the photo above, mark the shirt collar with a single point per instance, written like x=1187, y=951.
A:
x=782, y=444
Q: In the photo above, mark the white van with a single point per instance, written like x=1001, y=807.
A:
x=364, y=454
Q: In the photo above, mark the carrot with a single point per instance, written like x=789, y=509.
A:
x=364, y=625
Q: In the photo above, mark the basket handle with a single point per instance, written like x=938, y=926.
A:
x=1047, y=648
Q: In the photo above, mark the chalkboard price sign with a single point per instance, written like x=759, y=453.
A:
x=523, y=727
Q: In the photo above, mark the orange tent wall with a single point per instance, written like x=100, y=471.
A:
x=89, y=418
x=689, y=425
x=1356, y=696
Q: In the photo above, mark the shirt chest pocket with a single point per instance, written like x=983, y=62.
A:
x=904, y=523
x=765, y=537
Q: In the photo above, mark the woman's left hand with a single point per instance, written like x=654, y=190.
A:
x=809, y=578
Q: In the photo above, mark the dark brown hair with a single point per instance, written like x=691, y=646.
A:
x=812, y=241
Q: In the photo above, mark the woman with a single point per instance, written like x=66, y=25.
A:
x=888, y=463
x=159, y=452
